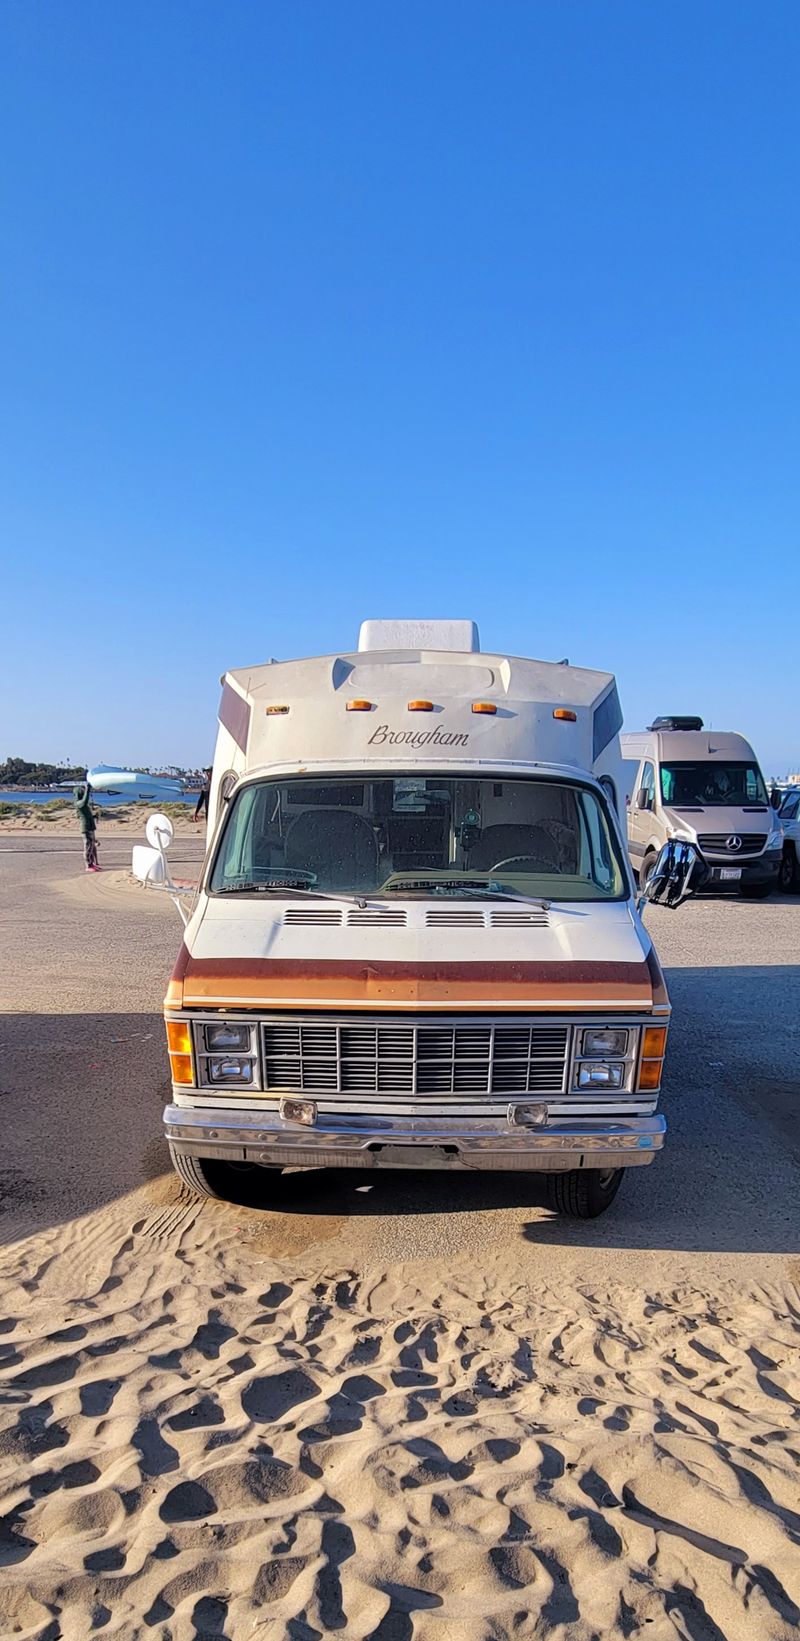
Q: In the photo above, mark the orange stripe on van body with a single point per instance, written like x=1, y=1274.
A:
x=320, y=984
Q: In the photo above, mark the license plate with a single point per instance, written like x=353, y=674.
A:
x=730, y=874
x=412, y=1156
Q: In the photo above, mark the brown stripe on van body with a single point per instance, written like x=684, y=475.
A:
x=234, y=715
x=174, y=994
x=657, y=981
x=304, y=983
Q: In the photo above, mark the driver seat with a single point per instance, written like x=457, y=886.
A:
x=338, y=846
x=509, y=842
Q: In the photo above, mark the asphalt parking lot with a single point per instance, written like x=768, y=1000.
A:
x=85, y=961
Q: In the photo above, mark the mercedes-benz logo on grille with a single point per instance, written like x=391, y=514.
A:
x=733, y=842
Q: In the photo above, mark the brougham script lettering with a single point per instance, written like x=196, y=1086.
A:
x=384, y=736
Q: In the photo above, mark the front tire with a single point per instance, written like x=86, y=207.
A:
x=583, y=1193
x=242, y=1183
x=192, y=1171
x=646, y=868
x=789, y=874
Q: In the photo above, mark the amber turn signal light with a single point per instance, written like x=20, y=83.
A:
x=651, y=1065
x=650, y=1074
x=179, y=1037
x=181, y=1068
x=654, y=1042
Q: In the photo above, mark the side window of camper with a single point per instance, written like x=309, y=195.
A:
x=238, y=851
x=595, y=860
x=647, y=787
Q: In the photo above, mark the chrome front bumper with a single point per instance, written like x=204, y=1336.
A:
x=412, y=1142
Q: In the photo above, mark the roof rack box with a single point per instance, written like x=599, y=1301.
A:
x=676, y=723
x=461, y=636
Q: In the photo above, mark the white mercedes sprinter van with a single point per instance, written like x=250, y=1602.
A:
x=704, y=786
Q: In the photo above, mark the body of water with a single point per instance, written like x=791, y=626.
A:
x=104, y=800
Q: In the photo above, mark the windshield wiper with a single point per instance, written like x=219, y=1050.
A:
x=482, y=889
x=434, y=886
x=287, y=886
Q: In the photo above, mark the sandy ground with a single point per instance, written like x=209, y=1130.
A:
x=417, y=1406
x=126, y=820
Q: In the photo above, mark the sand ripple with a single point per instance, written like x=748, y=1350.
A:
x=195, y=1447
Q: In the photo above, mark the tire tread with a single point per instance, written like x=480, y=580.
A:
x=572, y=1193
x=191, y=1171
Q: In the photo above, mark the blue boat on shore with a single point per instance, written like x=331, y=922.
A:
x=133, y=783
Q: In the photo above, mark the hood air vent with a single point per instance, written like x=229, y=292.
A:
x=455, y=917
x=312, y=917
x=522, y=917
x=373, y=917
x=330, y=917
x=473, y=917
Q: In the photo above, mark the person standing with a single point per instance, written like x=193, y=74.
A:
x=201, y=807
x=87, y=821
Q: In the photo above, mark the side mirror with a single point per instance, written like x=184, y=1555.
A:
x=643, y=798
x=679, y=871
x=150, y=865
x=159, y=832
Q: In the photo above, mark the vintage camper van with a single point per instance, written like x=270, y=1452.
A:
x=705, y=786
x=415, y=941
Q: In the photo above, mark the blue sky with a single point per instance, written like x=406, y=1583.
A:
x=313, y=311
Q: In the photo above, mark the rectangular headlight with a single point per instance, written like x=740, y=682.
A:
x=230, y=1071
x=603, y=1041
x=225, y=1035
x=599, y=1075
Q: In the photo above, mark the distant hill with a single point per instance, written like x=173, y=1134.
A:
x=18, y=772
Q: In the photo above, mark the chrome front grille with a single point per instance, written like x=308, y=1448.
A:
x=401, y=1057
x=716, y=843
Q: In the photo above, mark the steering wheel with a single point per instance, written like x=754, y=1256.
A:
x=524, y=863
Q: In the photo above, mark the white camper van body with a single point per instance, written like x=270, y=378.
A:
x=427, y=1014
x=704, y=786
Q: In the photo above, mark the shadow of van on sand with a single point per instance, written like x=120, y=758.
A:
x=81, y=1097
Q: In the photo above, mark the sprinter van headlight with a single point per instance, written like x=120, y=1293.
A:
x=601, y=1074
x=609, y=1040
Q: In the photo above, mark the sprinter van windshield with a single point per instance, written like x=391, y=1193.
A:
x=419, y=835
x=721, y=785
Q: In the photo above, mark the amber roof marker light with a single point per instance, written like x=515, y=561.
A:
x=275, y=712
x=488, y=707
x=420, y=706
x=566, y=715
x=360, y=706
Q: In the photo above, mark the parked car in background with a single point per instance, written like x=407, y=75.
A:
x=704, y=787
x=789, y=817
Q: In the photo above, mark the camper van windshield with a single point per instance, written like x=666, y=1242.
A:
x=419, y=834
x=712, y=784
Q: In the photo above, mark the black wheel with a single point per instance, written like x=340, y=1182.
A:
x=583, y=1193
x=241, y=1182
x=756, y=891
x=789, y=876
x=646, y=868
